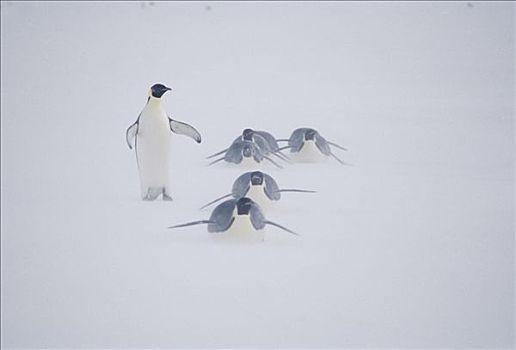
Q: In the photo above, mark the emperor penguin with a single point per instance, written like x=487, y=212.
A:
x=239, y=218
x=246, y=153
x=307, y=145
x=258, y=186
x=151, y=134
x=263, y=139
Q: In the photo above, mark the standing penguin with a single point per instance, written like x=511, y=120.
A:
x=151, y=134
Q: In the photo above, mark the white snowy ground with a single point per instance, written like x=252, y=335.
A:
x=412, y=246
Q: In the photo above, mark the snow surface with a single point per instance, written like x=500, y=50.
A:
x=412, y=246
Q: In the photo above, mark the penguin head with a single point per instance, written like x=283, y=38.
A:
x=247, y=151
x=244, y=205
x=256, y=178
x=157, y=90
x=310, y=135
x=247, y=134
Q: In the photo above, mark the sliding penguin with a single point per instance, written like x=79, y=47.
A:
x=263, y=139
x=151, y=135
x=246, y=153
x=258, y=186
x=238, y=218
x=307, y=145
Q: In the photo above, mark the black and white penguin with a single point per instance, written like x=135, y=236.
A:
x=151, y=134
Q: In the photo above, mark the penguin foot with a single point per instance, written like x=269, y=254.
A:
x=153, y=193
x=166, y=196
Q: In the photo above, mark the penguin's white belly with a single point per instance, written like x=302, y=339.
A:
x=242, y=225
x=248, y=163
x=309, y=153
x=257, y=194
x=153, y=151
x=242, y=230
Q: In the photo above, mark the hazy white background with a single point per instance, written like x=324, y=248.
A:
x=413, y=246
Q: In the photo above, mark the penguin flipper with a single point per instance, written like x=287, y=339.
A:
x=271, y=188
x=273, y=162
x=338, y=160
x=192, y=223
x=234, y=153
x=241, y=185
x=216, y=161
x=222, y=216
x=216, y=200
x=131, y=133
x=281, y=156
x=217, y=154
x=336, y=145
x=322, y=145
x=257, y=218
x=282, y=148
x=184, y=129
x=296, y=190
x=281, y=227
x=297, y=137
